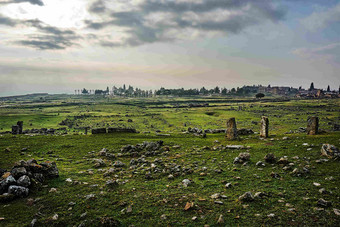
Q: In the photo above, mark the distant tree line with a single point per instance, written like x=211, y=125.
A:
x=258, y=90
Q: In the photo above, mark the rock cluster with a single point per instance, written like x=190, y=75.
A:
x=146, y=148
x=24, y=175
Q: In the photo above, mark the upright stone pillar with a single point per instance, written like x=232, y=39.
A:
x=15, y=129
x=312, y=125
x=264, y=127
x=20, y=125
x=231, y=129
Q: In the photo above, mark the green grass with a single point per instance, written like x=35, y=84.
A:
x=150, y=199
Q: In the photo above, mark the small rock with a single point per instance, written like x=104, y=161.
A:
x=246, y=197
x=188, y=206
x=55, y=217
x=270, y=158
x=260, y=163
x=215, y=196
x=336, y=212
x=271, y=215
x=186, y=182
x=220, y=219
x=69, y=180
x=324, y=203
x=228, y=185
x=53, y=190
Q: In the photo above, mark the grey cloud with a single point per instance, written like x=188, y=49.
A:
x=97, y=7
x=247, y=13
x=33, y=2
x=7, y=21
x=51, y=38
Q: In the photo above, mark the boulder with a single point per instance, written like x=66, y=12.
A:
x=24, y=181
x=18, y=191
x=18, y=172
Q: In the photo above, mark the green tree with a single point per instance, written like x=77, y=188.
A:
x=259, y=95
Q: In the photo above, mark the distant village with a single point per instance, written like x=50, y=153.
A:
x=254, y=90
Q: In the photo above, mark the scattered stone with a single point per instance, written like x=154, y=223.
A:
x=194, y=218
x=260, y=195
x=164, y=217
x=316, y=184
x=246, y=197
x=260, y=163
x=324, y=203
x=186, y=182
x=215, y=196
x=271, y=215
x=83, y=215
x=270, y=158
x=118, y=164
x=220, y=219
x=69, y=180
x=228, y=185
x=90, y=196
x=234, y=147
x=55, y=217
x=330, y=151
x=336, y=212
x=283, y=160
x=188, y=206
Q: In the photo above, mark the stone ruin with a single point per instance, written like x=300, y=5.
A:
x=17, y=129
x=113, y=130
x=98, y=131
x=264, y=127
x=312, y=125
x=231, y=129
x=23, y=176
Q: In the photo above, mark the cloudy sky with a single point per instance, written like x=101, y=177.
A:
x=57, y=46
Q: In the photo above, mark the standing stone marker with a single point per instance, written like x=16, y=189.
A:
x=264, y=127
x=231, y=129
x=15, y=130
x=312, y=125
x=20, y=125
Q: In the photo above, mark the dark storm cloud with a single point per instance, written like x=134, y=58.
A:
x=33, y=2
x=245, y=13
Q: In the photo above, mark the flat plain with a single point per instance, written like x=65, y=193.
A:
x=186, y=180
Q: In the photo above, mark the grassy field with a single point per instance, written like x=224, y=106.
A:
x=145, y=195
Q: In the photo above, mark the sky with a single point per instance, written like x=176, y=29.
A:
x=57, y=46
